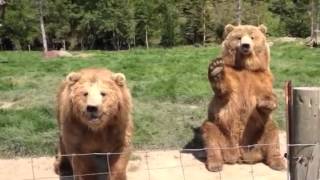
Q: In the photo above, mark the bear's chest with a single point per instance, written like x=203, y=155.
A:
x=89, y=141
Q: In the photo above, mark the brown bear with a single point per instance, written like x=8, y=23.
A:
x=239, y=114
x=94, y=116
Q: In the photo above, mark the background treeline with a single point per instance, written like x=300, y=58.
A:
x=122, y=24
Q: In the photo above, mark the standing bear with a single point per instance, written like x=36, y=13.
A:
x=95, y=125
x=239, y=114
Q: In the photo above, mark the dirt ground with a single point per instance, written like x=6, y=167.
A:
x=160, y=165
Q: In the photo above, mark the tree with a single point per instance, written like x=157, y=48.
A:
x=119, y=24
x=193, y=11
x=43, y=31
x=147, y=20
x=238, y=10
x=3, y=5
x=204, y=4
x=20, y=27
x=314, y=23
x=168, y=12
x=293, y=16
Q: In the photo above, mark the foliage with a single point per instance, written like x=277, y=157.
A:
x=293, y=16
x=121, y=24
x=20, y=26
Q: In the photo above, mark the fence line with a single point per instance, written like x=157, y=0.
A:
x=106, y=173
x=108, y=161
x=147, y=163
x=181, y=165
x=251, y=166
x=182, y=168
x=32, y=168
x=188, y=150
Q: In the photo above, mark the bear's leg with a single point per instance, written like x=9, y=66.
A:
x=211, y=136
x=216, y=75
x=251, y=155
x=230, y=150
x=62, y=165
x=118, y=165
x=84, y=168
x=250, y=136
x=273, y=157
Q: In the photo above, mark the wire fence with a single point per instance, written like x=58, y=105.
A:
x=183, y=166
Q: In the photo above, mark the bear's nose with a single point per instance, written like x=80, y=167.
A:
x=92, y=109
x=245, y=46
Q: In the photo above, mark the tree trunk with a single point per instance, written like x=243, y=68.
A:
x=204, y=34
x=3, y=4
x=312, y=19
x=118, y=43
x=204, y=23
x=115, y=41
x=255, y=13
x=147, y=41
x=82, y=44
x=64, y=45
x=314, y=23
x=238, y=12
x=134, y=41
x=43, y=31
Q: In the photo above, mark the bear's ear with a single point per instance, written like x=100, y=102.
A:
x=73, y=77
x=119, y=78
x=228, y=29
x=263, y=29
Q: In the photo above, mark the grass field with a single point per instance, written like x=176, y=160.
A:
x=169, y=86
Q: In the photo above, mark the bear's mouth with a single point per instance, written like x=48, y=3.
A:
x=93, y=120
x=93, y=117
x=245, y=51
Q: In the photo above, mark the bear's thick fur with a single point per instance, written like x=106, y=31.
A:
x=239, y=114
x=94, y=116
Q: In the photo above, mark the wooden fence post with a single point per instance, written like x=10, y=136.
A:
x=303, y=128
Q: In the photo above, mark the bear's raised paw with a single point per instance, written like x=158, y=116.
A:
x=215, y=69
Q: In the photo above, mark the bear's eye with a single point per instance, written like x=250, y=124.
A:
x=239, y=38
x=85, y=94
x=252, y=37
x=103, y=94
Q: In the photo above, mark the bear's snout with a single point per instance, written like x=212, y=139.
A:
x=92, y=111
x=245, y=44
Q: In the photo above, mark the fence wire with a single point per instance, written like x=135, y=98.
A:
x=180, y=166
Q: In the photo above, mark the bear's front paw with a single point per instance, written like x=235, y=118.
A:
x=214, y=166
x=266, y=104
x=215, y=69
x=56, y=167
x=277, y=164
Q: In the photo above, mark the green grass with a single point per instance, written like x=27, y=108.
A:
x=169, y=87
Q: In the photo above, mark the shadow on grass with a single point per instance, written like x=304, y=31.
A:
x=195, y=145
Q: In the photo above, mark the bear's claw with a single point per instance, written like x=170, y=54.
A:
x=277, y=164
x=214, y=167
x=216, y=69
